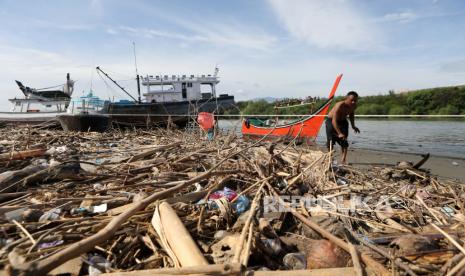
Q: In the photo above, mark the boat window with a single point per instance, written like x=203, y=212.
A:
x=206, y=88
x=158, y=88
x=189, y=84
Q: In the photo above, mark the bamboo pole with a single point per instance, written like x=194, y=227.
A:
x=176, y=240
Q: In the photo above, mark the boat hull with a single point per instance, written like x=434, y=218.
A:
x=85, y=122
x=304, y=130
x=30, y=118
x=143, y=115
x=159, y=114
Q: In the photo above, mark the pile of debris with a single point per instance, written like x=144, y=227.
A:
x=170, y=202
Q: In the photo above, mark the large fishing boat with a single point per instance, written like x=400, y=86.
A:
x=303, y=130
x=39, y=105
x=167, y=99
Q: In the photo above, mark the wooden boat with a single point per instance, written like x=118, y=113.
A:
x=169, y=99
x=303, y=130
x=38, y=105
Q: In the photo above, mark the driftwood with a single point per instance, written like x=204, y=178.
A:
x=15, y=155
x=421, y=162
x=355, y=260
x=221, y=269
x=10, y=178
x=234, y=269
x=45, y=265
x=175, y=238
x=369, y=261
x=91, y=201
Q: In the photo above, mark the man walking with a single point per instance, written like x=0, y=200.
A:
x=337, y=127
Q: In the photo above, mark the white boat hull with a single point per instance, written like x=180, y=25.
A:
x=28, y=117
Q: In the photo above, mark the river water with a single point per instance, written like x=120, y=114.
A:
x=441, y=138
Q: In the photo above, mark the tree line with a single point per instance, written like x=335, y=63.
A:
x=434, y=101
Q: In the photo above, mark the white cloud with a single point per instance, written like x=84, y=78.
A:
x=232, y=34
x=152, y=33
x=75, y=27
x=215, y=33
x=14, y=57
x=327, y=24
x=402, y=17
x=111, y=31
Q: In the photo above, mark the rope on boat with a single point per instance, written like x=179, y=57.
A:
x=56, y=86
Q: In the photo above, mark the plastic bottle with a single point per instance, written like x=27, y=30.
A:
x=295, y=261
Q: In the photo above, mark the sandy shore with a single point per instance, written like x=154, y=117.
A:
x=444, y=167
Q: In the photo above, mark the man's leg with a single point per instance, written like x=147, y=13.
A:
x=344, y=147
x=344, y=143
x=344, y=155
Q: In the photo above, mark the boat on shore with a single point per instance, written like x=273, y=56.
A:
x=304, y=130
x=168, y=99
x=83, y=115
x=39, y=105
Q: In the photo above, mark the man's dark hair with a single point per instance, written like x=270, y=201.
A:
x=353, y=93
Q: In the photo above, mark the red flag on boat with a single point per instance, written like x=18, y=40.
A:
x=206, y=120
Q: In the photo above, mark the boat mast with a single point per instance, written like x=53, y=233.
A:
x=106, y=75
x=137, y=73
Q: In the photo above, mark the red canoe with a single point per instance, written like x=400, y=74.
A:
x=303, y=130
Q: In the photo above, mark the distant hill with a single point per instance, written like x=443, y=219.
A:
x=433, y=101
x=266, y=99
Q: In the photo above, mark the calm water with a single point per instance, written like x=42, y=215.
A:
x=443, y=138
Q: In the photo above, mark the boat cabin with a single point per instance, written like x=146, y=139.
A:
x=88, y=103
x=178, y=88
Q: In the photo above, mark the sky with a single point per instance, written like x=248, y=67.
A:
x=263, y=48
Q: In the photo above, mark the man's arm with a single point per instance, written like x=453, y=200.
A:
x=352, y=119
x=352, y=122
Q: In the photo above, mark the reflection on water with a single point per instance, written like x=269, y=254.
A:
x=445, y=138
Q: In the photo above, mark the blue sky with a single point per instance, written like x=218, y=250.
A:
x=278, y=48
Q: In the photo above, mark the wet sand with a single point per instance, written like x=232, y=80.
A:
x=444, y=167
x=441, y=166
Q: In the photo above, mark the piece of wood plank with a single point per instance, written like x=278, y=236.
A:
x=71, y=267
x=120, y=209
x=216, y=269
x=234, y=269
x=16, y=155
x=175, y=238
